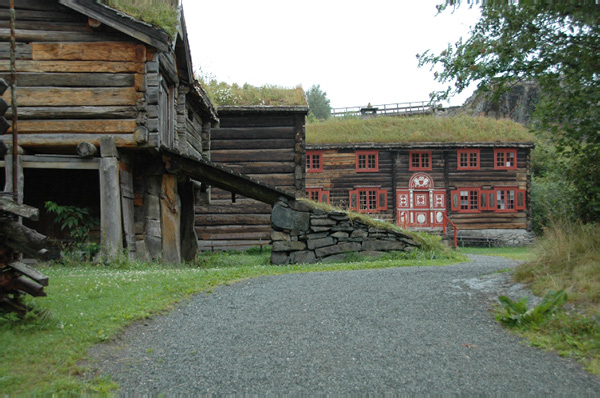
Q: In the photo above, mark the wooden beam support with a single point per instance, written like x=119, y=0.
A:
x=225, y=178
x=110, y=208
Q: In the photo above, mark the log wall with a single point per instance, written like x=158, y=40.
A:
x=73, y=80
x=266, y=144
x=339, y=177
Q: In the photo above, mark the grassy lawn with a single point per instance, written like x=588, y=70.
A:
x=89, y=304
x=523, y=253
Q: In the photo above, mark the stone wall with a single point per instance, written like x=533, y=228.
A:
x=498, y=237
x=302, y=233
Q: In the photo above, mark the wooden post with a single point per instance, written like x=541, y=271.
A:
x=170, y=207
x=9, y=164
x=189, y=239
x=110, y=202
x=127, y=197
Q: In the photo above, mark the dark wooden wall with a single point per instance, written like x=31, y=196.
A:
x=265, y=144
x=75, y=83
x=339, y=176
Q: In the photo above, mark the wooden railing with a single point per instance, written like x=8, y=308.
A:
x=397, y=109
x=445, y=228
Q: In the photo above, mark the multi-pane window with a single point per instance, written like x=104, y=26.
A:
x=368, y=200
x=367, y=161
x=505, y=159
x=314, y=161
x=469, y=199
x=419, y=160
x=505, y=199
x=318, y=195
x=465, y=200
x=468, y=159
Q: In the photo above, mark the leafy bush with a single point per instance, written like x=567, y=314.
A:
x=516, y=313
x=78, y=222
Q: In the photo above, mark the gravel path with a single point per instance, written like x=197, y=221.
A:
x=402, y=330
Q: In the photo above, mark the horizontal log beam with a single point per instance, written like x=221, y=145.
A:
x=75, y=112
x=224, y=178
x=109, y=51
x=86, y=79
x=50, y=141
x=74, y=66
x=77, y=126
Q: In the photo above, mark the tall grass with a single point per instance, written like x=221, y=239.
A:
x=461, y=128
x=160, y=13
x=568, y=257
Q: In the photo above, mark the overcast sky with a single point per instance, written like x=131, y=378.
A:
x=357, y=51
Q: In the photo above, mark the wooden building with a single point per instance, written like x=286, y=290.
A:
x=482, y=187
x=267, y=144
x=91, y=77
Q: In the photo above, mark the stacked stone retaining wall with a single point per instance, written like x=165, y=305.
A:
x=302, y=233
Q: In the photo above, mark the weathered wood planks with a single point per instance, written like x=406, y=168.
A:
x=111, y=51
x=51, y=96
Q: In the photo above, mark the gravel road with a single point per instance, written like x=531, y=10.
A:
x=403, y=330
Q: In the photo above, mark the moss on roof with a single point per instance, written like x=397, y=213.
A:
x=438, y=129
x=159, y=13
x=222, y=93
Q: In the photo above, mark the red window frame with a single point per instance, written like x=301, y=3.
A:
x=420, y=160
x=499, y=200
x=314, y=161
x=466, y=200
x=367, y=161
x=318, y=195
x=505, y=158
x=368, y=200
x=468, y=159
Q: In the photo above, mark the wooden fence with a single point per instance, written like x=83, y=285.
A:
x=397, y=109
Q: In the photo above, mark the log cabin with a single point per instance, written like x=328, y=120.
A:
x=110, y=118
x=480, y=188
x=266, y=143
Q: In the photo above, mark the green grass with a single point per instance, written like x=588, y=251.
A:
x=89, y=304
x=462, y=128
x=567, y=258
x=522, y=253
x=158, y=13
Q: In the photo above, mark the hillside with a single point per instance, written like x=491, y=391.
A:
x=460, y=128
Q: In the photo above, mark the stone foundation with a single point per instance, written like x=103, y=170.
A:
x=496, y=237
x=304, y=234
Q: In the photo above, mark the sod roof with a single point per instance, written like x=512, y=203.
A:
x=434, y=130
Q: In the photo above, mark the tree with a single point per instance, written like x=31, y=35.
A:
x=318, y=103
x=556, y=44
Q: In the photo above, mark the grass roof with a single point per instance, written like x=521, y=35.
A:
x=439, y=129
x=222, y=93
x=160, y=13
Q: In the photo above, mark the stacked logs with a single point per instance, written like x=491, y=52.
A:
x=16, y=277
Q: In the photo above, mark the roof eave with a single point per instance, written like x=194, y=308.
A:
x=122, y=22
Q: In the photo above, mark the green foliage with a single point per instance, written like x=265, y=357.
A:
x=516, y=313
x=567, y=258
x=318, y=103
x=77, y=221
x=222, y=93
x=462, y=128
x=160, y=13
x=554, y=44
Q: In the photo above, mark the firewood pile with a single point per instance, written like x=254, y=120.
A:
x=16, y=240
